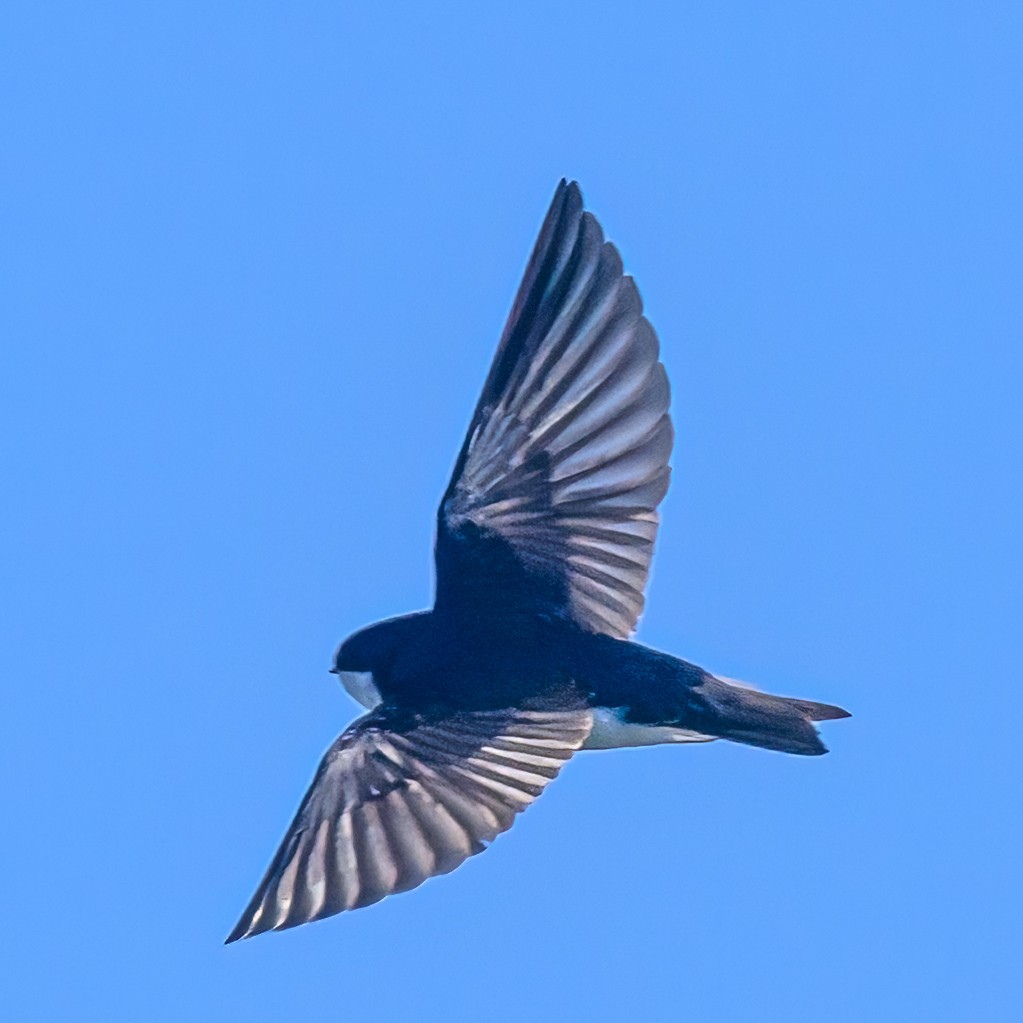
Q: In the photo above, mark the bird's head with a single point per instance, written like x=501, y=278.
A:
x=359, y=662
x=364, y=659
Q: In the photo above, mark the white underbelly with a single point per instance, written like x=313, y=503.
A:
x=610, y=731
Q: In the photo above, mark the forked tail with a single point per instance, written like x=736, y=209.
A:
x=737, y=712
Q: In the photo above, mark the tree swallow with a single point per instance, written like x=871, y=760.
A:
x=543, y=547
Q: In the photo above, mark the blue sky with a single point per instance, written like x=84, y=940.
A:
x=255, y=259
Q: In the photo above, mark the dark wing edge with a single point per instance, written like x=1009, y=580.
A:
x=566, y=456
x=559, y=225
x=395, y=802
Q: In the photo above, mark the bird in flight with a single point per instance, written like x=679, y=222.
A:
x=543, y=547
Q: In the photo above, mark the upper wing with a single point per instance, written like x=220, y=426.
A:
x=399, y=799
x=552, y=506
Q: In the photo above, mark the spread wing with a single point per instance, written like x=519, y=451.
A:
x=552, y=506
x=398, y=799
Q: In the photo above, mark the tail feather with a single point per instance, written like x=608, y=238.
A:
x=817, y=711
x=736, y=712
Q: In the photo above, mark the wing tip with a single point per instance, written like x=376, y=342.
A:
x=569, y=196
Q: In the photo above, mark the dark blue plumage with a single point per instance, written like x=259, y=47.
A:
x=544, y=540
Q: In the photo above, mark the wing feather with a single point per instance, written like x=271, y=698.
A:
x=398, y=800
x=552, y=506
